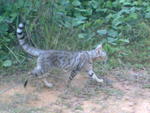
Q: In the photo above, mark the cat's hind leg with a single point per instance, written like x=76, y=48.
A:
x=47, y=84
x=36, y=72
x=40, y=72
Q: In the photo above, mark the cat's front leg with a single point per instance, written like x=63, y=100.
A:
x=94, y=77
x=72, y=75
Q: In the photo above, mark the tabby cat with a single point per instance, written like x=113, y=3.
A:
x=66, y=60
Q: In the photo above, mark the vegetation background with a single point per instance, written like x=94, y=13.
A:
x=123, y=26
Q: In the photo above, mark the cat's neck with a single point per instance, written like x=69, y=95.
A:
x=92, y=54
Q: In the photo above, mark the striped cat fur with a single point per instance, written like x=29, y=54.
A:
x=66, y=60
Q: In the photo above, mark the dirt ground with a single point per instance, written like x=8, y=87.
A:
x=124, y=91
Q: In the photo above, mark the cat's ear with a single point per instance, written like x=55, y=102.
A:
x=99, y=47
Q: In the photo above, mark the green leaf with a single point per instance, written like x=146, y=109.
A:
x=146, y=86
x=89, y=11
x=102, y=32
x=82, y=35
x=77, y=21
x=111, y=39
x=101, y=10
x=7, y=63
x=113, y=33
x=118, y=20
x=122, y=1
x=4, y=27
x=2, y=19
x=80, y=10
x=133, y=16
x=124, y=40
x=109, y=4
x=99, y=21
x=147, y=15
x=94, y=4
x=76, y=3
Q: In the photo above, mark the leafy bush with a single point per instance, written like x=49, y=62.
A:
x=73, y=25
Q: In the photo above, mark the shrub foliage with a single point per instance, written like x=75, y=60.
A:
x=73, y=25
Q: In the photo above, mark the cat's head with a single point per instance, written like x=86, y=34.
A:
x=100, y=54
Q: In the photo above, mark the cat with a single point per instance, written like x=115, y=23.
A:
x=66, y=60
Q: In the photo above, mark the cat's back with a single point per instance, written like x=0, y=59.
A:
x=59, y=54
x=59, y=58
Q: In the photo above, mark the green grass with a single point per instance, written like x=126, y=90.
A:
x=146, y=86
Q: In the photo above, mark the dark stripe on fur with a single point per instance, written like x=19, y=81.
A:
x=25, y=83
x=19, y=33
x=21, y=38
x=91, y=74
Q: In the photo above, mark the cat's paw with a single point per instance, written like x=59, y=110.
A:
x=100, y=80
x=48, y=85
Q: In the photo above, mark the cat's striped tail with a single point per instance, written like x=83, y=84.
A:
x=23, y=42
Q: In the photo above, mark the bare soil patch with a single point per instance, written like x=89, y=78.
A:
x=128, y=93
